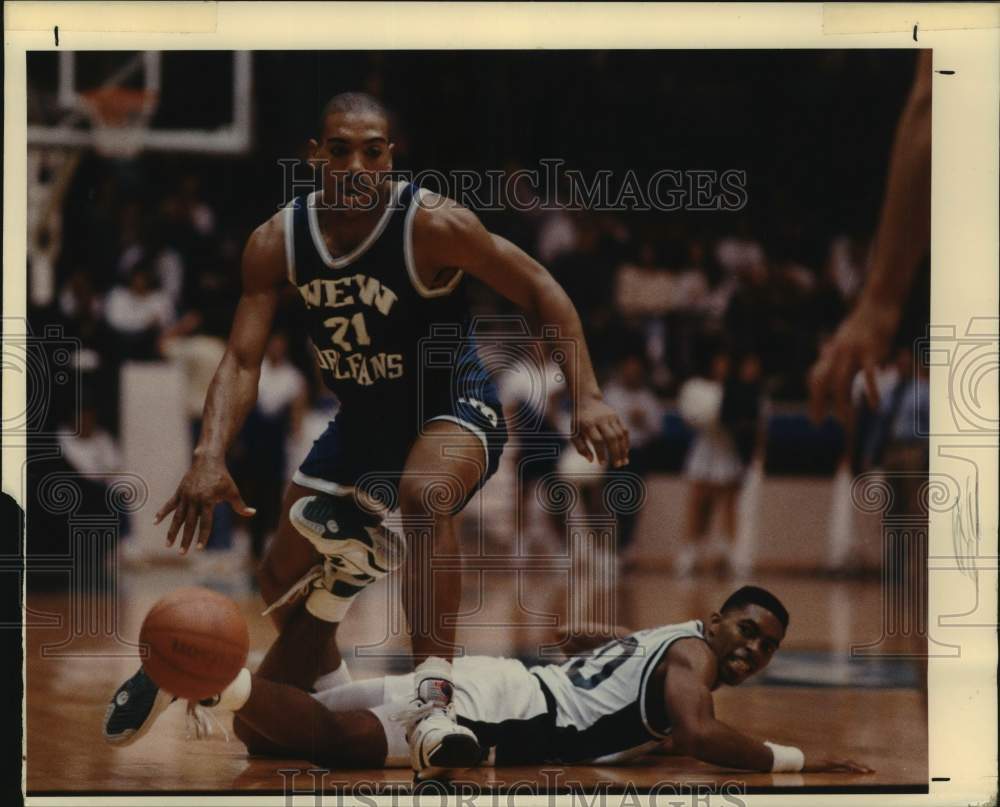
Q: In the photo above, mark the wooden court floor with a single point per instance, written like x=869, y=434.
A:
x=870, y=709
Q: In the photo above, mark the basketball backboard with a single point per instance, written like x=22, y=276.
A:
x=202, y=110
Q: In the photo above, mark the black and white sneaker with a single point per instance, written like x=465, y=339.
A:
x=133, y=709
x=359, y=542
x=357, y=550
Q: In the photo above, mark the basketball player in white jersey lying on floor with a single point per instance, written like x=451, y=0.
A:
x=628, y=696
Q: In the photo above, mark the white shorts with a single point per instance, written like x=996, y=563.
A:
x=497, y=698
x=713, y=459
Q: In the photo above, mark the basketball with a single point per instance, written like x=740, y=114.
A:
x=198, y=642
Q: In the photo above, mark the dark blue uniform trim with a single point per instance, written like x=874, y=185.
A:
x=382, y=413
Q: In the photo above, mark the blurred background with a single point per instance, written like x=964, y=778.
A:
x=147, y=173
x=136, y=255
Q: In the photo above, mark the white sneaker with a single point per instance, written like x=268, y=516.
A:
x=439, y=747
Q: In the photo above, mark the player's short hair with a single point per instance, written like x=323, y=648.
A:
x=353, y=102
x=755, y=595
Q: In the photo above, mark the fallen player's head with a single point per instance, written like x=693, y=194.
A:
x=745, y=633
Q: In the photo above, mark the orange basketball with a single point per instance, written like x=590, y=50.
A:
x=197, y=640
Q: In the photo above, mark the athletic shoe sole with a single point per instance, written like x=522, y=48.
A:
x=133, y=710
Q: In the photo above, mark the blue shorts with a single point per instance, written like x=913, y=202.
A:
x=358, y=447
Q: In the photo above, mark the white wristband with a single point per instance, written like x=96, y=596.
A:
x=787, y=758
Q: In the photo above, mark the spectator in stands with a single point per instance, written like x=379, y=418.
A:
x=93, y=454
x=845, y=266
x=90, y=449
x=78, y=300
x=739, y=252
x=557, y=235
x=274, y=422
x=685, y=320
x=143, y=246
x=138, y=314
x=534, y=400
x=725, y=444
x=198, y=348
x=644, y=290
x=198, y=212
x=630, y=396
x=81, y=311
x=130, y=239
x=692, y=278
x=584, y=272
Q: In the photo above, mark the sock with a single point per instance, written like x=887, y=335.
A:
x=433, y=681
x=334, y=678
x=235, y=696
x=397, y=749
x=327, y=606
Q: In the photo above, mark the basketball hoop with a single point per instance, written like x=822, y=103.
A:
x=119, y=117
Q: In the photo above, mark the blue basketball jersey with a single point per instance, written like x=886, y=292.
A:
x=372, y=322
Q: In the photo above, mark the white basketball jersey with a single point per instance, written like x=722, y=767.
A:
x=601, y=699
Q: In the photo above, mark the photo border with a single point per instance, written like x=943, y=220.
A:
x=965, y=40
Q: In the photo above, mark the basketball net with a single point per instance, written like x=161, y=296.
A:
x=120, y=119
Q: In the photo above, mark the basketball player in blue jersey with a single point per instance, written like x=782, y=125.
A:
x=377, y=263
x=626, y=697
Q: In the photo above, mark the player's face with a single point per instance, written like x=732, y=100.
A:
x=744, y=640
x=355, y=153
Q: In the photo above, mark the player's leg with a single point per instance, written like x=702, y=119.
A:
x=729, y=495
x=445, y=466
x=443, y=469
x=281, y=719
x=288, y=557
x=346, y=724
x=728, y=499
x=302, y=637
x=326, y=551
x=698, y=515
x=354, y=550
x=305, y=652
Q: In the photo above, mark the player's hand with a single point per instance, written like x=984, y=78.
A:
x=205, y=484
x=861, y=342
x=821, y=764
x=599, y=425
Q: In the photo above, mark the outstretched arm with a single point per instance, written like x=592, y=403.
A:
x=450, y=236
x=901, y=242
x=691, y=671
x=231, y=395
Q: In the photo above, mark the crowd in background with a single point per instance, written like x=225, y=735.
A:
x=158, y=280
x=139, y=275
x=149, y=271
